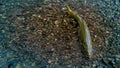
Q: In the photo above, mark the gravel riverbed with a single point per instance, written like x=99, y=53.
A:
x=40, y=34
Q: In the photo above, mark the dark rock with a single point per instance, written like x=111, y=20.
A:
x=32, y=28
x=104, y=61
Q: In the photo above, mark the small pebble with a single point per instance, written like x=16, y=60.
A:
x=4, y=17
x=18, y=65
x=49, y=61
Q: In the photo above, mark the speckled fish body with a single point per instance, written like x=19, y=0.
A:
x=84, y=32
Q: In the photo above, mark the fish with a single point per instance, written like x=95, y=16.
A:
x=84, y=33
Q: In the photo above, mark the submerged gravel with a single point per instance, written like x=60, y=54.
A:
x=36, y=34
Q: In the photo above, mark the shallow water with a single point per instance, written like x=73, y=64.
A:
x=36, y=34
